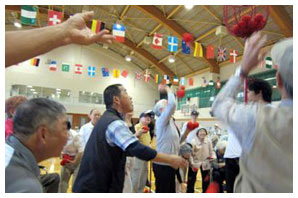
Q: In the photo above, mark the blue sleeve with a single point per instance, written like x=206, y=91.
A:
x=118, y=134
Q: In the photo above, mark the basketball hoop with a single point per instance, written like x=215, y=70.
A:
x=242, y=21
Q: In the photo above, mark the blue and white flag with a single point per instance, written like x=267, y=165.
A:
x=91, y=71
x=172, y=43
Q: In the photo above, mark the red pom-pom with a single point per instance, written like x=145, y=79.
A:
x=187, y=37
x=207, y=178
x=195, y=169
x=241, y=24
x=213, y=188
x=235, y=29
x=258, y=17
x=252, y=25
x=145, y=128
x=246, y=18
x=180, y=93
x=182, y=87
x=190, y=125
x=196, y=125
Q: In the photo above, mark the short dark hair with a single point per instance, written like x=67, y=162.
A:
x=34, y=113
x=256, y=85
x=109, y=93
x=92, y=111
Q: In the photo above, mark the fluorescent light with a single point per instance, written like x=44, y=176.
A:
x=58, y=92
x=171, y=59
x=58, y=89
x=128, y=58
x=17, y=24
x=29, y=86
x=188, y=7
x=34, y=92
x=270, y=78
x=32, y=89
x=211, y=82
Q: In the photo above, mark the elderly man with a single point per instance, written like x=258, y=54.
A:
x=86, y=129
x=103, y=164
x=40, y=132
x=265, y=133
x=167, y=141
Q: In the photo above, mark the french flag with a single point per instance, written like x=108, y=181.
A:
x=119, y=32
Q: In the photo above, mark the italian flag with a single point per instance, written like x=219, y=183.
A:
x=28, y=15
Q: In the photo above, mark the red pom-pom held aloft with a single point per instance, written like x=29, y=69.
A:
x=182, y=87
x=245, y=18
x=180, y=93
x=187, y=37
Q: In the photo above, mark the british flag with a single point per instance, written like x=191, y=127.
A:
x=221, y=54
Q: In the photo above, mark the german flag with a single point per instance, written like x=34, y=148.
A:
x=97, y=26
x=35, y=62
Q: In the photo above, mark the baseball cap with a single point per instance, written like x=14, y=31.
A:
x=195, y=113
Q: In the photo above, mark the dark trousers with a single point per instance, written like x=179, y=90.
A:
x=219, y=176
x=192, y=177
x=164, y=178
x=232, y=170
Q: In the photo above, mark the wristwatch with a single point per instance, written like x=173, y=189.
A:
x=239, y=72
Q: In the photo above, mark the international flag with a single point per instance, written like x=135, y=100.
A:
x=28, y=15
x=175, y=80
x=198, y=50
x=268, y=62
x=91, y=71
x=116, y=73
x=35, y=62
x=210, y=52
x=147, y=76
x=182, y=81
x=78, y=68
x=53, y=66
x=54, y=17
x=124, y=73
x=190, y=81
x=233, y=56
x=119, y=32
x=172, y=44
x=157, y=78
x=138, y=75
x=185, y=48
x=166, y=79
x=221, y=54
x=157, y=41
x=65, y=67
x=97, y=26
x=105, y=72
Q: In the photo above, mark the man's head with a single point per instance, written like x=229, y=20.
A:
x=160, y=107
x=194, y=115
x=259, y=91
x=221, y=147
x=282, y=56
x=41, y=123
x=12, y=103
x=115, y=96
x=145, y=118
x=94, y=116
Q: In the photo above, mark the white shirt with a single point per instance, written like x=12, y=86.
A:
x=233, y=149
x=85, y=132
x=74, y=144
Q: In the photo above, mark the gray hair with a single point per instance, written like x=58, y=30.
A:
x=282, y=55
x=158, y=106
x=34, y=113
x=221, y=145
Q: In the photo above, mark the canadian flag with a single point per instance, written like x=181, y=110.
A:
x=157, y=41
x=78, y=68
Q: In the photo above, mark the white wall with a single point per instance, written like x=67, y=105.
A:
x=143, y=94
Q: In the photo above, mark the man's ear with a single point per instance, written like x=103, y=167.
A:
x=279, y=81
x=116, y=100
x=42, y=134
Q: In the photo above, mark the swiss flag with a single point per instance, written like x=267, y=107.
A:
x=210, y=52
x=54, y=17
x=78, y=69
x=157, y=41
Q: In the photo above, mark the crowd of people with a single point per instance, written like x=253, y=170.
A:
x=111, y=153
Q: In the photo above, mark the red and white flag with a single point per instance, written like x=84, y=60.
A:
x=157, y=41
x=146, y=76
x=233, y=56
x=78, y=68
x=53, y=66
x=54, y=17
x=210, y=52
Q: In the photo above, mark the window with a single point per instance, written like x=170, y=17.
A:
x=90, y=97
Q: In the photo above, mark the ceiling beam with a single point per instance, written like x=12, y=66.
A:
x=175, y=28
x=149, y=57
x=282, y=19
x=160, y=25
x=125, y=10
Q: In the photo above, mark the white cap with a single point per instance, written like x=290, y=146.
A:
x=282, y=56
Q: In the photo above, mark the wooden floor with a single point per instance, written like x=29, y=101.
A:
x=53, y=166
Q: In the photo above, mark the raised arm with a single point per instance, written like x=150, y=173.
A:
x=170, y=109
x=22, y=45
